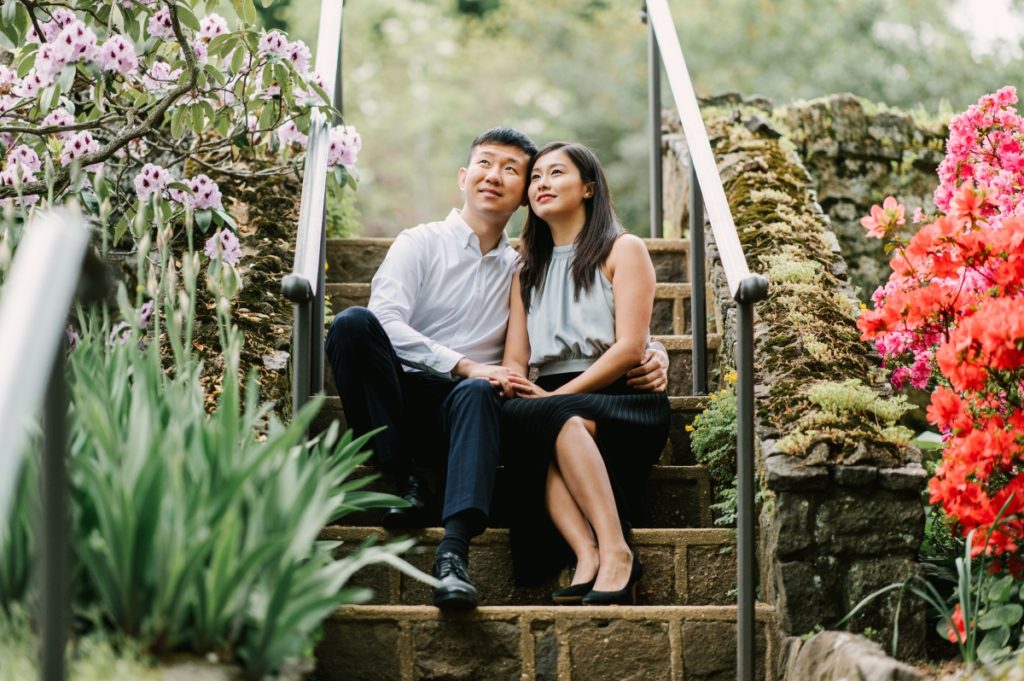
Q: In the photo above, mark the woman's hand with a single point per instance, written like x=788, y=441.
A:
x=523, y=387
x=652, y=373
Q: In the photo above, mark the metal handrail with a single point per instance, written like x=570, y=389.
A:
x=34, y=306
x=745, y=288
x=305, y=285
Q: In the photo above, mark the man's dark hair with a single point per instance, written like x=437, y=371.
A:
x=509, y=137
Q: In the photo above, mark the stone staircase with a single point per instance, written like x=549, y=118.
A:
x=683, y=628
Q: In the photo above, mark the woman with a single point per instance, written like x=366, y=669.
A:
x=580, y=442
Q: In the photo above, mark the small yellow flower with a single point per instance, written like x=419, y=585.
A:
x=731, y=377
x=140, y=288
x=713, y=396
x=863, y=307
x=327, y=266
x=689, y=428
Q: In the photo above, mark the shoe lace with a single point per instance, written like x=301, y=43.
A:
x=452, y=563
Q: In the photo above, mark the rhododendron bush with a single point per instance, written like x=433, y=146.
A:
x=131, y=106
x=952, y=315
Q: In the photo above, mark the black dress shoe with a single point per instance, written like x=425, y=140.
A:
x=572, y=595
x=413, y=516
x=456, y=592
x=624, y=596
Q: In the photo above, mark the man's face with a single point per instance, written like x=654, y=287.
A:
x=494, y=182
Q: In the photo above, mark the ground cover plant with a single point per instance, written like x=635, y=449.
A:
x=951, y=317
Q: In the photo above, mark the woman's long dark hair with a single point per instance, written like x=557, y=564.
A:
x=594, y=242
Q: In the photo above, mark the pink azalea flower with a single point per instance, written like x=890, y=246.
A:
x=153, y=179
x=205, y=193
x=273, y=42
x=224, y=246
x=26, y=156
x=883, y=218
x=160, y=25
x=77, y=146
x=344, y=147
x=60, y=117
x=289, y=133
x=117, y=55
x=211, y=26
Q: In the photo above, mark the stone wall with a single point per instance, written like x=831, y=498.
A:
x=857, y=154
x=841, y=515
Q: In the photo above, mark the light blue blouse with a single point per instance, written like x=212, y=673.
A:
x=568, y=335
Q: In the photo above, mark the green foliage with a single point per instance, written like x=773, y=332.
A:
x=713, y=442
x=342, y=219
x=17, y=543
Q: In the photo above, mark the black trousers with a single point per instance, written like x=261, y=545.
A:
x=427, y=418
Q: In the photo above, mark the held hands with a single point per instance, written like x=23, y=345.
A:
x=499, y=377
x=524, y=387
x=652, y=372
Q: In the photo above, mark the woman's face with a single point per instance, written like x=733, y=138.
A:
x=556, y=188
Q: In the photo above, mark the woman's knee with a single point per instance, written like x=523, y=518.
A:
x=577, y=425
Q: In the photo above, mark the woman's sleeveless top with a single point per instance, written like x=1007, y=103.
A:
x=568, y=335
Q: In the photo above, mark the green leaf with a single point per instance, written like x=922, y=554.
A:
x=993, y=647
x=237, y=58
x=1004, y=615
x=186, y=17
x=203, y=219
x=999, y=591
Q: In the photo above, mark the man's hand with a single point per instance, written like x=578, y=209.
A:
x=497, y=375
x=524, y=387
x=652, y=372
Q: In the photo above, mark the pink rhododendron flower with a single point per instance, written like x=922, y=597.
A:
x=159, y=25
x=160, y=76
x=60, y=117
x=344, y=147
x=299, y=55
x=274, y=42
x=118, y=56
x=26, y=156
x=211, y=26
x=50, y=59
x=62, y=17
x=224, y=246
x=17, y=175
x=289, y=133
x=153, y=179
x=78, y=39
x=146, y=314
x=205, y=193
x=77, y=146
x=29, y=86
x=201, y=52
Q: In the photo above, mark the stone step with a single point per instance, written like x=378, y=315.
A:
x=680, y=370
x=356, y=260
x=671, y=314
x=535, y=643
x=677, y=449
x=681, y=567
x=676, y=497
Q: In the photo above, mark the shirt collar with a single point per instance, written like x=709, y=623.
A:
x=465, y=235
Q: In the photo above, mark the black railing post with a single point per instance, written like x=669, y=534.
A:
x=54, y=552
x=301, y=360
x=654, y=107
x=698, y=288
x=751, y=290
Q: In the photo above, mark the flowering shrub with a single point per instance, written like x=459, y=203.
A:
x=104, y=97
x=953, y=311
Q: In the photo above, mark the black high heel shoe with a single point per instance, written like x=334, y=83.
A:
x=624, y=596
x=572, y=595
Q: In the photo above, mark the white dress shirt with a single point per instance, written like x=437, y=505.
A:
x=439, y=299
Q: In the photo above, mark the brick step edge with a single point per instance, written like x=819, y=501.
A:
x=681, y=567
x=530, y=643
x=677, y=450
x=676, y=497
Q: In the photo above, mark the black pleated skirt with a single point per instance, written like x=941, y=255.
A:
x=632, y=428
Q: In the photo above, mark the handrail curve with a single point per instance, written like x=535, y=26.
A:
x=33, y=310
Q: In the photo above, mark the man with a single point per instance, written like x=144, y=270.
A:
x=423, y=359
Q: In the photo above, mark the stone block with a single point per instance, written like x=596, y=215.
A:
x=619, y=650
x=789, y=530
x=839, y=656
x=806, y=594
x=545, y=651
x=864, y=577
x=871, y=523
x=662, y=317
x=682, y=454
x=785, y=472
x=854, y=476
x=709, y=651
x=710, y=574
x=358, y=651
x=909, y=477
x=658, y=587
x=670, y=266
x=465, y=649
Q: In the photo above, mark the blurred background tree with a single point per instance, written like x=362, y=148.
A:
x=422, y=77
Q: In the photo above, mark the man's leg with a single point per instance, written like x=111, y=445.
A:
x=471, y=415
x=369, y=379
